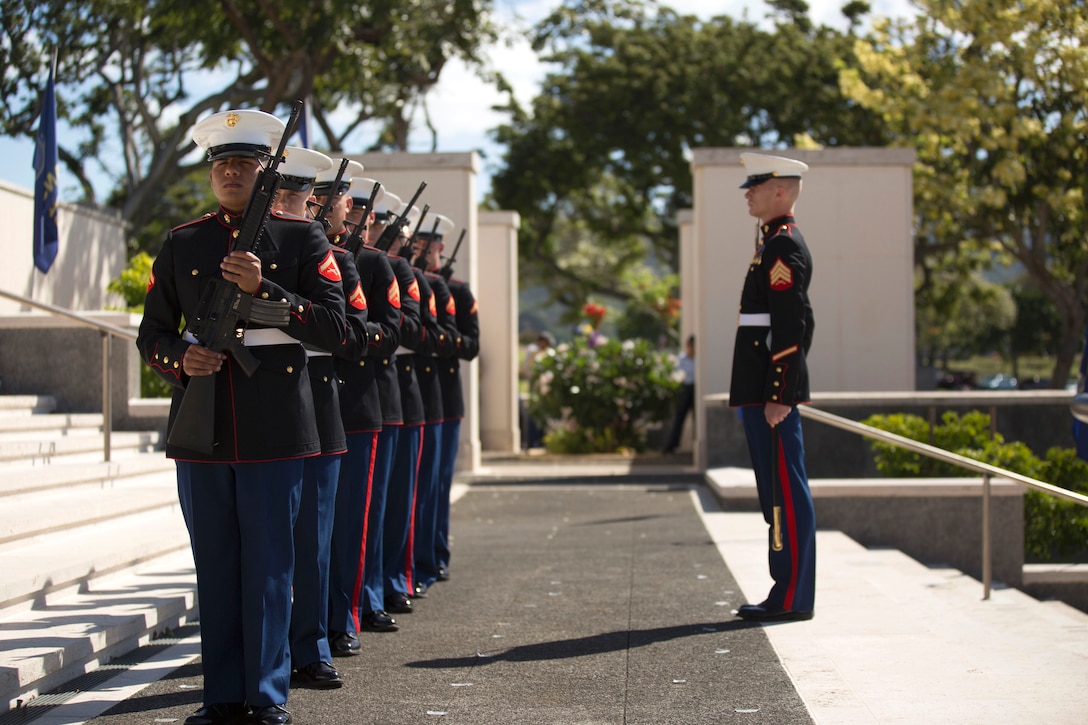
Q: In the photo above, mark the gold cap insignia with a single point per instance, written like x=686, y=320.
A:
x=232, y=120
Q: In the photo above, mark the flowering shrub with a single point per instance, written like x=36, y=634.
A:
x=598, y=395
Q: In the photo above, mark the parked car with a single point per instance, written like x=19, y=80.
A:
x=998, y=381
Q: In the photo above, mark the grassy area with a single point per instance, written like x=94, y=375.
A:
x=1028, y=367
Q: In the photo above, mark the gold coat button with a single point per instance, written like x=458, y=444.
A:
x=452, y=369
x=195, y=272
x=407, y=368
x=301, y=308
x=385, y=361
x=427, y=369
x=362, y=363
x=757, y=343
x=273, y=266
x=226, y=218
x=776, y=383
x=325, y=379
x=778, y=370
x=441, y=337
x=774, y=397
x=175, y=365
x=235, y=233
x=290, y=369
x=377, y=338
x=264, y=295
x=165, y=360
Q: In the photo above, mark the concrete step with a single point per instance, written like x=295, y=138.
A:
x=61, y=639
x=67, y=560
x=21, y=424
x=34, y=514
x=22, y=404
x=21, y=479
x=896, y=641
x=37, y=450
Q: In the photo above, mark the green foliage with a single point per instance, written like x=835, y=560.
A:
x=600, y=164
x=131, y=286
x=597, y=395
x=987, y=95
x=1052, y=527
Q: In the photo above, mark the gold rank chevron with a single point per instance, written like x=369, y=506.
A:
x=781, y=275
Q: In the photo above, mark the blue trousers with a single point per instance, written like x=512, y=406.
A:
x=451, y=441
x=313, y=541
x=240, y=516
x=793, y=569
x=425, y=528
x=348, y=529
x=399, y=504
x=373, y=596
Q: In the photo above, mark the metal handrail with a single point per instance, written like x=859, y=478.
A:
x=107, y=331
x=940, y=454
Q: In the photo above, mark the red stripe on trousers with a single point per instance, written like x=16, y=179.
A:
x=791, y=523
x=366, y=518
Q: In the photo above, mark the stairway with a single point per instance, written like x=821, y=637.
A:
x=94, y=556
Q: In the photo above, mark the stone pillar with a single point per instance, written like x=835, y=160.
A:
x=451, y=191
x=500, y=424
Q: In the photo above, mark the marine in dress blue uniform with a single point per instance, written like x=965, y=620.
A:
x=311, y=658
x=240, y=502
x=375, y=268
x=467, y=320
x=770, y=378
x=435, y=438
x=397, y=532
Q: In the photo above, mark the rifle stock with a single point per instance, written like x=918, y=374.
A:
x=391, y=232
x=225, y=310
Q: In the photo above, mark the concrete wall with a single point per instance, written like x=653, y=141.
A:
x=451, y=191
x=855, y=212
x=92, y=253
x=500, y=427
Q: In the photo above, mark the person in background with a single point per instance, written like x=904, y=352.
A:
x=685, y=396
x=533, y=433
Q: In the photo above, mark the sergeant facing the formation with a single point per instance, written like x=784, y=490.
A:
x=241, y=499
x=770, y=378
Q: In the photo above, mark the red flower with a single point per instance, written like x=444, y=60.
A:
x=595, y=313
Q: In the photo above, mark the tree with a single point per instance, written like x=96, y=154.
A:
x=992, y=96
x=600, y=164
x=134, y=76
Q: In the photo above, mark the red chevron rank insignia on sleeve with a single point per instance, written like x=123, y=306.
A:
x=475, y=308
x=393, y=294
x=432, y=306
x=151, y=281
x=451, y=306
x=781, y=276
x=357, y=299
x=413, y=289
x=329, y=269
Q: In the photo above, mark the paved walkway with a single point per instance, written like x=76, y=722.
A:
x=609, y=601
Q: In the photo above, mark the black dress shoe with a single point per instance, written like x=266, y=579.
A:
x=398, y=603
x=271, y=715
x=378, y=622
x=419, y=591
x=317, y=676
x=221, y=713
x=343, y=644
x=443, y=574
x=766, y=613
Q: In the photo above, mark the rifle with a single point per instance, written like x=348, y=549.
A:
x=392, y=231
x=447, y=269
x=225, y=310
x=421, y=258
x=356, y=239
x=323, y=212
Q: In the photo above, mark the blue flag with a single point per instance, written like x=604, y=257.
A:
x=46, y=238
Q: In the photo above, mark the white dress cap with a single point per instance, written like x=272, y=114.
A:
x=361, y=187
x=763, y=167
x=386, y=207
x=241, y=132
x=445, y=224
x=301, y=167
x=326, y=177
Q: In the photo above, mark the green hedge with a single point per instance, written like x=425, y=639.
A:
x=1053, y=528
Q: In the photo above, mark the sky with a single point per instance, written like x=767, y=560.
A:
x=460, y=105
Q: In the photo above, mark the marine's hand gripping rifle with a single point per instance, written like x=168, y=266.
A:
x=323, y=212
x=225, y=310
x=355, y=240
